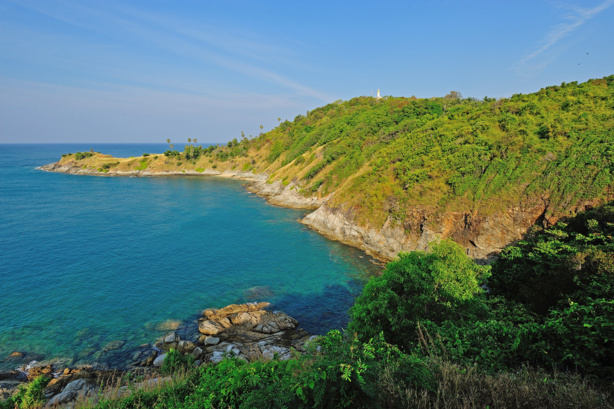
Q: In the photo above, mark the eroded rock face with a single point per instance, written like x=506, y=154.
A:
x=482, y=236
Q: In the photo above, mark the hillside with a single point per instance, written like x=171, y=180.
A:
x=396, y=173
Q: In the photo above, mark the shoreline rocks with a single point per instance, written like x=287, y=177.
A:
x=247, y=331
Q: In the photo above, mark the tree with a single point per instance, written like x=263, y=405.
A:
x=441, y=285
x=454, y=95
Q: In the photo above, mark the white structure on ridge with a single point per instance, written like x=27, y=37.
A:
x=378, y=96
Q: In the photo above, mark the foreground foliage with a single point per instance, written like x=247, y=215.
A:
x=337, y=372
x=346, y=373
x=551, y=301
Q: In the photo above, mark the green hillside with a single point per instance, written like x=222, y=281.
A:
x=451, y=152
x=384, y=158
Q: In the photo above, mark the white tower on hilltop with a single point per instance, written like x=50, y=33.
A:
x=378, y=96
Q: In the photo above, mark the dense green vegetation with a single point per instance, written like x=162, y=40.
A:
x=551, y=301
x=383, y=156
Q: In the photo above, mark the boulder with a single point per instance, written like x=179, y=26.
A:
x=270, y=351
x=72, y=391
x=159, y=360
x=170, y=325
x=209, y=327
x=36, y=371
x=172, y=337
x=213, y=314
x=150, y=359
x=197, y=353
x=13, y=375
x=185, y=347
x=210, y=340
x=275, y=322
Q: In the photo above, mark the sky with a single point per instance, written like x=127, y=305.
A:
x=150, y=70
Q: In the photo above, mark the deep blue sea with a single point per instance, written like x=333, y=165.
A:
x=87, y=260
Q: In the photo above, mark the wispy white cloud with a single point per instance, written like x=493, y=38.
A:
x=207, y=45
x=575, y=19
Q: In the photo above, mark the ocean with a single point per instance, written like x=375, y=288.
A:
x=90, y=260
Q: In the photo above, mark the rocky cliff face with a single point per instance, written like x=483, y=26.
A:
x=482, y=236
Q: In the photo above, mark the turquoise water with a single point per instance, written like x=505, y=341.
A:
x=88, y=260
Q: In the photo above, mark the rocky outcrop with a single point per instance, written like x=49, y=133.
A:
x=73, y=168
x=248, y=331
x=284, y=195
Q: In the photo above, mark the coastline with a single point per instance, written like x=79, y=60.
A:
x=483, y=236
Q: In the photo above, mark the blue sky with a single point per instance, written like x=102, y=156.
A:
x=145, y=71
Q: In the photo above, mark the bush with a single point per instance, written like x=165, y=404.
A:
x=30, y=395
x=175, y=362
x=572, y=259
x=83, y=155
x=437, y=286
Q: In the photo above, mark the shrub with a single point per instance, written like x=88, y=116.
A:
x=437, y=286
x=31, y=395
x=83, y=155
x=175, y=362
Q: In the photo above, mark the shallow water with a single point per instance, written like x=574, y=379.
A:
x=88, y=260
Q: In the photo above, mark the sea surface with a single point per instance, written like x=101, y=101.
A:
x=88, y=260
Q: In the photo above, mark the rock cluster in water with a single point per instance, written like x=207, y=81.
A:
x=247, y=331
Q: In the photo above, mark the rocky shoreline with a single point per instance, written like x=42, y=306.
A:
x=248, y=331
x=483, y=236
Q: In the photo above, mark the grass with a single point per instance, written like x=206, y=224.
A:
x=456, y=387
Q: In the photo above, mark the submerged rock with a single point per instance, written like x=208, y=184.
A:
x=113, y=345
x=169, y=325
x=258, y=292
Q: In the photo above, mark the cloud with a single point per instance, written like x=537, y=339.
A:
x=576, y=18
x=205, y=45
